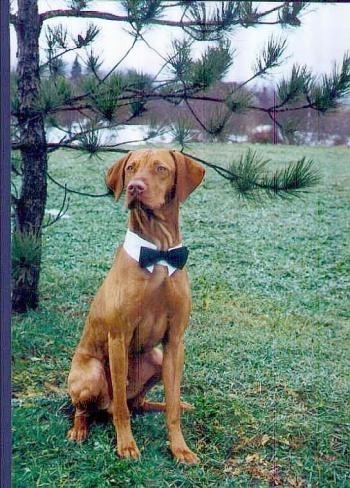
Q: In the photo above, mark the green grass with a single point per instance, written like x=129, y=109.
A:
x=267, y=350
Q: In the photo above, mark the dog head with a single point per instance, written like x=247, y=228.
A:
x=153, y=177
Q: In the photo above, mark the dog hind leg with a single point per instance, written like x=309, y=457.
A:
x=88, y=388
x=145, y=371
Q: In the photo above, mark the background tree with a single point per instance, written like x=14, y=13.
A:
x=43, y=96
x=76, y=71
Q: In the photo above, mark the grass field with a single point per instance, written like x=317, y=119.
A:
x=267, y=350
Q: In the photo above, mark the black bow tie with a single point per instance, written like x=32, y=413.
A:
x=175, y=257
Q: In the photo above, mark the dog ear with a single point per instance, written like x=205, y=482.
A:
x=115, y=176
x=189, y=174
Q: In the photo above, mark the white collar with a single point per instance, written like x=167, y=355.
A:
x=132, y=245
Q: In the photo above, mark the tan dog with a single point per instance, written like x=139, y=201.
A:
x=138, y=308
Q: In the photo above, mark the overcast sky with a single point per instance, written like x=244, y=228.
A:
x=323, y=38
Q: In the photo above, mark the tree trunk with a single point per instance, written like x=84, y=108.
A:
x=30, y=206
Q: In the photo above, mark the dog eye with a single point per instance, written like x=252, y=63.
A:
x=129, y=168
x=162, y=169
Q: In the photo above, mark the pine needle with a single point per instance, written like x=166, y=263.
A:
x=249, y=177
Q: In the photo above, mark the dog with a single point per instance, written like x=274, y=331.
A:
x=133, y=334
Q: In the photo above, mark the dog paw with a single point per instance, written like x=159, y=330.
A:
x=185, y=455
x=77, y=435
x=129, y=451
x=150, y=406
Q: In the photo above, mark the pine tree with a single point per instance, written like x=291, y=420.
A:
x=43, y=92
x=76, y=71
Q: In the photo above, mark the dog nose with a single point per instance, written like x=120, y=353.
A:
x=136, y=187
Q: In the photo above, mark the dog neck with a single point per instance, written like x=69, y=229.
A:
x=161, y=226
x=134, y=244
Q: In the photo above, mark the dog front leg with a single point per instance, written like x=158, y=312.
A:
x=172, y=374
x=118, y=363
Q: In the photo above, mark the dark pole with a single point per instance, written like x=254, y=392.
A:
x=5, y=269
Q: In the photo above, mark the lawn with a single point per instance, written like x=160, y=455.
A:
x=267, y=350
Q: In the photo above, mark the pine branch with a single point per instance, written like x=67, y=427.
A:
x=248, y=14
x=239, y=100
x=288, y=15
x=105, y=95
x=181, y=131
x=217, y=121
x=249, y=175
x=297, y=176
x=246, y=172
x=58, y=44
x=78, y=5
x=125, y=55
x=297, y=86
x=142, y=12
x=54, y=58
x=93, y=64
x=89, y=140
x=62, y=211
x=76, y=192
x=222, y=171
x=179, y=59
x=326, y=95
x=83, y=40
x=54, y=92
x=25, y=255
x=211, y=67
x=232, y=14
x=271, y=56
x=204, y=23
x=194, y=114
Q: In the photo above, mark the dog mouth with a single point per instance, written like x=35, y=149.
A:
x=138, y=204
x=135, y=202
x=132, y=200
